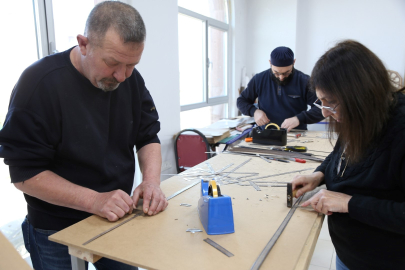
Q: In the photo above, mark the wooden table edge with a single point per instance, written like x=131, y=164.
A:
x=309, y=247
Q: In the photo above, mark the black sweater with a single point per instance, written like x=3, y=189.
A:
x=281, y=102
x=58, y=121
x=372, y=234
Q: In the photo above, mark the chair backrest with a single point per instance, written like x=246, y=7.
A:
x=396, y=79
x=190, y=149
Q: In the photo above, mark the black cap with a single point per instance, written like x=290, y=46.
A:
x=282, y=57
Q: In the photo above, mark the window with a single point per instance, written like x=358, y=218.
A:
x=29, y=28
x=56, y=29
x=203, y=61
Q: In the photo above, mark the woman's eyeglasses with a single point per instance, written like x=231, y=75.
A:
x=332, y=110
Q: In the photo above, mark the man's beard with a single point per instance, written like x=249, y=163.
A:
x=285, y=81
x=108, y=84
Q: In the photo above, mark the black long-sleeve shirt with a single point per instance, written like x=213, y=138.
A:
x=58, y=121
x=372, y=234
x=280, y=102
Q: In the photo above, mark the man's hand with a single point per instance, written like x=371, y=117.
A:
x=261, y=117
x=327, y=202
x=112, y=205
x=290, y=123
x=306, y=183
x=154, y=200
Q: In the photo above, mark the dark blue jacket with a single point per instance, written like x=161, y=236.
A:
x=281, y=102
x=58, y=121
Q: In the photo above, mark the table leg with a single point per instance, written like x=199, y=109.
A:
x=77, y=264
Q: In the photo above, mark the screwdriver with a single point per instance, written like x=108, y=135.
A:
x=296, y=159
x=295, y=148
x=278, y=159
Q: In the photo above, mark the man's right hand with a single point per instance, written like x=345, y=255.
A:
x=261, y=117
x=305, y=183
x=112, y=205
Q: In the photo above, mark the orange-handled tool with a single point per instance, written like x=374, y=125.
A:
x=298, y=160
x=250, y=139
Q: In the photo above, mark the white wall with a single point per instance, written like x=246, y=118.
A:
x=159, y=67
x=379, y=25
x=238, y=31
x=270, y=23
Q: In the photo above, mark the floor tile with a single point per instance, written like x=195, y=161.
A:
x=323, y=254
x=315, y=267
x=333, y=263
x=324, y=234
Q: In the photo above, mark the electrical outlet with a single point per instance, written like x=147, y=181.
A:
x=166, y=165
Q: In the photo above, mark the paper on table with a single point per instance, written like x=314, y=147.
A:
x=231, y=123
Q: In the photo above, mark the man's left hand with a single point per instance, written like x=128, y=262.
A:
x=327, y=202
x=290, y=123
x=154, y=201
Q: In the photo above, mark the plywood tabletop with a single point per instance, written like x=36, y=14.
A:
x=161, y=241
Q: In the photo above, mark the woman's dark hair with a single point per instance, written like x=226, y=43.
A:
x=358, y=80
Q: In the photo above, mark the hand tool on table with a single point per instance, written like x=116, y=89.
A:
x=298, y=149
x=295, y=148
x=277, y=159
x=299, y=160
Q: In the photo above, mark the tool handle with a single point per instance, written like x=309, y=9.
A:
x=300, y=160
x=296, y=148
x=250, y=139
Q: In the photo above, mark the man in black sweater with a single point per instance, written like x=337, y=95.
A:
x=69, y=136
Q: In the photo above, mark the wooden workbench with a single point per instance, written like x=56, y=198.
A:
x=161, y=241
x=9, y=257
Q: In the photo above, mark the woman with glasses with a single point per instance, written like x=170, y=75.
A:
x=365, y=173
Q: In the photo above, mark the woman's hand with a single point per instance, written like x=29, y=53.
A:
x=306, y=183
x=327, y=202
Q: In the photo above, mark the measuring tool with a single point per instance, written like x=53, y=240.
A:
x=259, y=261
x=217, y=246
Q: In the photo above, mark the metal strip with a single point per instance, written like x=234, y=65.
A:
x=253, y=184
x=237, y=167
x=224, y=168
x=217, y=246
x=116, y=226
x=181, y=190
x=272, y=175
x=210, y=167
x=259, y=261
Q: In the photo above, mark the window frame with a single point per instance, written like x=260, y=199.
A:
x=44, y=27
x=210, y=22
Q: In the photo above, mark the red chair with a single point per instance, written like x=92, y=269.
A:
x=190, y=149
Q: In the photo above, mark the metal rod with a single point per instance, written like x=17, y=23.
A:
x=259, y=261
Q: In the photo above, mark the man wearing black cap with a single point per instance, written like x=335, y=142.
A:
x=283, y=94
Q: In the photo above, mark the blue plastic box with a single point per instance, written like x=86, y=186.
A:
x=216, y=214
